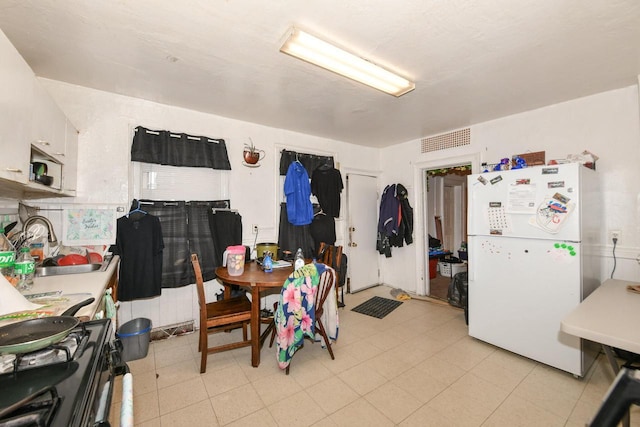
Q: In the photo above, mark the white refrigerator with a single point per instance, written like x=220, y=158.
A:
x=534, y=236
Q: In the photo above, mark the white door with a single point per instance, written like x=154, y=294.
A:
x=362, y=200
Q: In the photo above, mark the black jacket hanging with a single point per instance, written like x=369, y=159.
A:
x=405, y=227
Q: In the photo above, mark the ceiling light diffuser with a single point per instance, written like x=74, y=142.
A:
x=311, y=49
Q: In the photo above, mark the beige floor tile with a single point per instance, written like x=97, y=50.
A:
x=385, y=340
x=145, y=407
x=583, y=412
x=312, y=371
x=199, y=414
x=332, y=394
x=419, y=384
x=449, y=332
x=466, y=353
x=516, y=412
x=361, y=350
x=325, y=422
x=143, y=365
x=340, y=364
x=296, y=410
x=144, y=382
x=260, y=418
x=276, y=387
x=551, y=389
x=223, y=380
x=363, y=329
x=173, y=355
x=176, y=373
x=428, y=417
x=360, y=413
x=268, y=366
x=416, y=367
x=445, y=372
x=458, y=409
x=475, y=389
x=387, y=365
x=236, y=404
x=220, y=361
x=394, y=402
x=362, y=379
x=155, y=422
x=180, y=395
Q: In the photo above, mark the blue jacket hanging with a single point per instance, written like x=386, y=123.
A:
x=298, y=191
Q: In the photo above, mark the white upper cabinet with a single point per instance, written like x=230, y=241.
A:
x=16, y=106
x=70, y=167
x=48, y=124
x=32, y=128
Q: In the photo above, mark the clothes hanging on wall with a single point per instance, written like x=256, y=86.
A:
x=405, y=225
x=291, y=237
x=326, y=185
x=139, y=243
x=389, y=210
x=226, y=229
x=395, y=223
x=323, y=229
x=186, y=230
x=298, y=192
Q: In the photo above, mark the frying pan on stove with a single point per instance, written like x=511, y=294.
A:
x=35, y=334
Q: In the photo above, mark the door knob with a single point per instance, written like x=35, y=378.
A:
x=353, y=245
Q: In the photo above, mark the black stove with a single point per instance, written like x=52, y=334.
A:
x=67, y=384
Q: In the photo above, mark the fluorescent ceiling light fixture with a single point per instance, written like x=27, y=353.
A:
x=318, y=52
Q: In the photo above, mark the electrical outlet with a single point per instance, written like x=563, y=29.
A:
x=614, y=234
x=254, y=228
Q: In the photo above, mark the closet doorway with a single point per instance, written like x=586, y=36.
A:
x=446, y=217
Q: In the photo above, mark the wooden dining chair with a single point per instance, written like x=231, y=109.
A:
x=332, y=256
x=217, y=316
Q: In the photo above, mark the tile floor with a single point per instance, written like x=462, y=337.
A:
x=415, y=367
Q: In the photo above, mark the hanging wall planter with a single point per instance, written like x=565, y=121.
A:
x=252, y=155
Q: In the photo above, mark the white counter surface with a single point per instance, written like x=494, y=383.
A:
x=609, y=316
x=93, y=283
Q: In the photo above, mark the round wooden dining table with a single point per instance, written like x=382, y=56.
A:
x=255, y=280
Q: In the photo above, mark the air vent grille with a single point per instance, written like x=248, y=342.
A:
x=453, y=139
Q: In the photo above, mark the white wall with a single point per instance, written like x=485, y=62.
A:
x=607, y=124
x=106, y=121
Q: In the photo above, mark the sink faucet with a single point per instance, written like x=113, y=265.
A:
x=53, y=240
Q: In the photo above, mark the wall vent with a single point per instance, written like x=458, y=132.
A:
x=453, y=139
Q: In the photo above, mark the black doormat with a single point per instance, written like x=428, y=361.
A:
x=377, y=307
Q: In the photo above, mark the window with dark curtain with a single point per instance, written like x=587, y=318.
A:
x=185, y=229
x=309, y=161
x=178, y=149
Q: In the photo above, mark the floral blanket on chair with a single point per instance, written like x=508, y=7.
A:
x=295, y=315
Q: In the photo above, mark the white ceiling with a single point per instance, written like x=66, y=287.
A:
x=472, y=61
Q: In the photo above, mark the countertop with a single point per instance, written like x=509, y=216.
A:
x=93, y=283
x=609, y=316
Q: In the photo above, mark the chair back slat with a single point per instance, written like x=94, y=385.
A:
x=200, y=286
x=332, y=256
x=325, y=285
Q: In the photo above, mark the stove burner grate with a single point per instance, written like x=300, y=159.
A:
x=63, y=351
x=36, y=412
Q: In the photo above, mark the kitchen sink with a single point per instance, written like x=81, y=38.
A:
x=66, y=269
